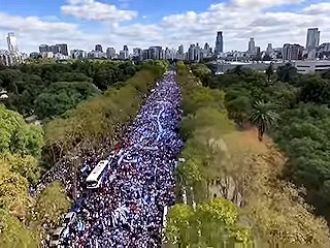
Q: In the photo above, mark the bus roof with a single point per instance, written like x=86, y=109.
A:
x=97, y=170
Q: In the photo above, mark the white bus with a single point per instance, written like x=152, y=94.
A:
x=95, y=178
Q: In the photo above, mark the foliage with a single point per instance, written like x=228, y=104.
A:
x=17, y=136
x=262, y=117
x=62, y=96
x=211, y=224
x=287, y=73
x=30, y=84
x=100, y=119
x=13, y=191
x=234, y=165
x=14, y=234
x=51, y=204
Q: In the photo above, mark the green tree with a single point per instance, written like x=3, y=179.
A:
x=287, y=73
x=14, y=234
x=269, y=72
x=17, y=136
x=262, y=117
x=60, y=97
x=51, y=204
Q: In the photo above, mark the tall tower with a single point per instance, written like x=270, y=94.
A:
x=252, y=46
x=126, y=51
x=12, y=43
x=98, y=48
x=219, y=43
x=313, y=38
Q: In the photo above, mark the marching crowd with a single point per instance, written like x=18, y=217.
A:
x=127, y=210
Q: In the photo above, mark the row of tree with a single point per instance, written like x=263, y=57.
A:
x=49, y=90
x=24, y=149
x=225, y=167
x=20, y=153
x=295, y=110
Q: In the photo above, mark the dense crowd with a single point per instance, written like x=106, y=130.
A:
x=127, y=209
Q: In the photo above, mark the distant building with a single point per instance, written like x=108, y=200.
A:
x=122, y=55
x=96, y=55
x=126, y=52
x=323, y=51
x=6, y=58
x=269, y=49
x=181, y=50
x=78, y=54
x=98, y=48
x=146, y=54
x=219, y=44
x=292, y=52
x=35, y=55
x=155, y=52
x=137, y=54
x=308, y=66
x=61, y=49
x=111, y=53
x=194, y=53
x=252, y=47
x=12, y=43
x=43, y=48
x=313, y=38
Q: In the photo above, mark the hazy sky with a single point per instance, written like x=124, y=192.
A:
x=142, y=23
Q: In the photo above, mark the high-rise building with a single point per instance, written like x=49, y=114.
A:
x=155, y=52
x=269, y=49
x=54, y=49
x=6, y=58
x=252, y=47
x=62, y=49
x=126, y=52
x=292, y=52
x=194, y=52
x=219, y=43
x=313, y=38
x=137, y=54
x=12, y=43
x=43, y=48
x=146, y=54
x=111, y=52
x=78, y=54
x=181, y=50
x=98, y=48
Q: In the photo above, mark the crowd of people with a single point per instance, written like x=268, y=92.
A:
x=128, y=210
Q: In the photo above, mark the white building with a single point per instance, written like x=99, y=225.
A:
x=312, y=66
x=6, y=58
x=12, y=43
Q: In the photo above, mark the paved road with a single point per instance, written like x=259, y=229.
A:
x=127, y=210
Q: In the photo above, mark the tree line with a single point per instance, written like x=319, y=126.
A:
x=28, y=150
x=294, y=110
x=49, y=90
x=230, y=188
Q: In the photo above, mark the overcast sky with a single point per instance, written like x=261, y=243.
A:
x=142, y=23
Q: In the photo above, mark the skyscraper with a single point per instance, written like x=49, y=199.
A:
x=181, y=50
x=43, y=48
x=313, y=38
x=292, y=52
x=252, y=47
x=98, y=48
x=219, y=43
x=12, y=43
x=63, y=49
x=111, y=52
x=269, y=49
x=126, y=52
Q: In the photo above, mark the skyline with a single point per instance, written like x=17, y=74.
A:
x=83, y=23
